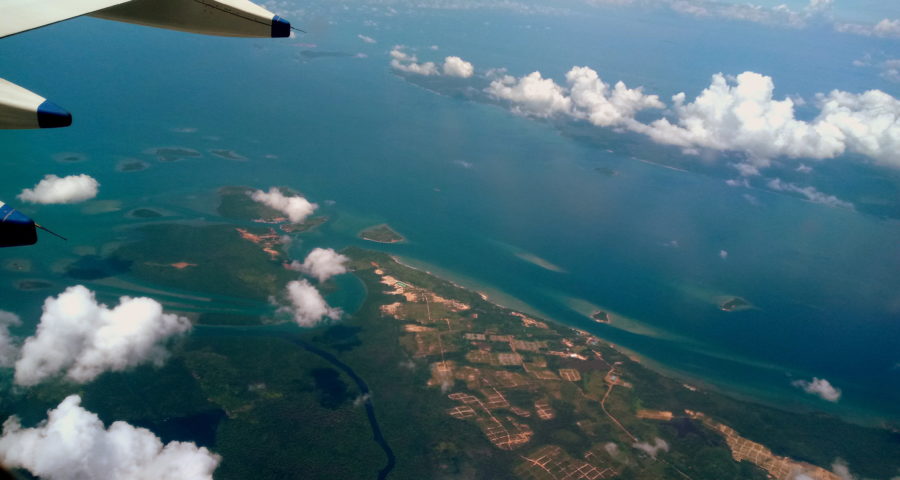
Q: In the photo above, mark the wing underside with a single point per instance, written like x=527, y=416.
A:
x=24, y=15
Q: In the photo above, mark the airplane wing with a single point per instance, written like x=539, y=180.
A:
x=23, y=109
x=230, y=18
x=23, y=15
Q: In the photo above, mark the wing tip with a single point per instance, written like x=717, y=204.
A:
x=51, y=115
x=281, y=28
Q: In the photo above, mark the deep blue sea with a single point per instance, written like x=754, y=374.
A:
x=478, y=191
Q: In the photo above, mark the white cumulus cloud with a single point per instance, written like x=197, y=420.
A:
x=73, y=443
x=594, y=100
x=322, y=263
x=532, y=95
x=366, y=38
x=733, y=114
x=81, y=338
x=585, y=97
x=53, y=190
x=742, y=115
x=296, y=208
x=457, y=67
x=307, y=305
x=452, y=67
x=820, y=387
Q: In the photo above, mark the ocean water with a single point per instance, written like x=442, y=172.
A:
x=485, y=197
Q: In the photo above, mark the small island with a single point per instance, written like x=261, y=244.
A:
x=381, y=234
x=131, y=165
x=173, y=154
x=734, y=304
x=228, y=154
x=609, y=172
x=600, y=316
x=144, y=213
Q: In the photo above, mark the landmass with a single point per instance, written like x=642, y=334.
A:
x=70, y=157
x=226, y=260
x=381, y=234
x=228, y=154
x=556, y=402
x=454, y=386
x=131, y=165
x=735, y=304
x=29, y=285
x=609, y=172
x=780, y=468
x=173, y=154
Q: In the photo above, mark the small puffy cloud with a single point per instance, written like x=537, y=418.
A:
x=366, y=38
x=820, y=387
x=611, y=448
x=842, y=469
x=322, y=263
x=296, y=208
x=652, y=449
x=408, y=63
x=723, y=254
x=55, y=190
x=452, y=67
x=809, y=192
x=457, y=67
x=361, y=400
x=9, y=351
x=81, y=338
x=802, y=168
x=73, y=443
x=307, y=305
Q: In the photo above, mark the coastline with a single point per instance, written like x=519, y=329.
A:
x=720, y=385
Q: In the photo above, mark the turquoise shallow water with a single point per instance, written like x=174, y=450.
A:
x=475, y=188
